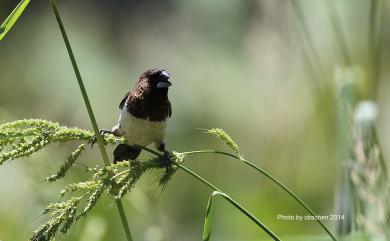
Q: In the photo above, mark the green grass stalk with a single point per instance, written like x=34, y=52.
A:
x=232, y=201
x=90, y=113
x=269, y=176
x=13, y=18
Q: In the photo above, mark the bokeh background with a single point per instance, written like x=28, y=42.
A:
x=236, y=65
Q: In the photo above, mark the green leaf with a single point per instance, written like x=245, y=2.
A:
x=12, y=18
x=208, y=218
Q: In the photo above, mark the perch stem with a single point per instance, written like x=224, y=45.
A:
x=90, y=113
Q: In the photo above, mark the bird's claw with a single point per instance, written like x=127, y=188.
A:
x=167, y=161
x=102, y=132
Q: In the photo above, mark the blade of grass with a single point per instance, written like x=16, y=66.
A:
x=90, y=113
x=12, y=18
x=269, y=176
x=213, y=187
x=232, y=201
x=208, y=218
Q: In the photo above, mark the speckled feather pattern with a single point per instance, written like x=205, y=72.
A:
x=147, y=103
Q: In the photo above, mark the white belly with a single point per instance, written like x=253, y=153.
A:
x=140, y=131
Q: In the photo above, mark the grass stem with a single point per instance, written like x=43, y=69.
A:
x=232, y=201
x=90, y=113
x=269, y=176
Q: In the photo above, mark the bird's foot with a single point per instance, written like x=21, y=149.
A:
x=102, y=132
x=167, y=161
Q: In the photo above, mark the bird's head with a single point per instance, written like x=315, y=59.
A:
x=156, y=80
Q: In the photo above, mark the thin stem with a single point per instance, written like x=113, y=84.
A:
x=269, y=176
x=90, y=113
x=81, y=84
x=209, y=151
x=213, y=187
x=232, y=201
x=122, y=214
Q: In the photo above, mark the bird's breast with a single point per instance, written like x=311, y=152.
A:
x=140, y=131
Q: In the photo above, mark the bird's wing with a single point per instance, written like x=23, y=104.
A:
x=123, y=101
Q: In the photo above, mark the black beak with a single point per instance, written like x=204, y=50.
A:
x=163, y=84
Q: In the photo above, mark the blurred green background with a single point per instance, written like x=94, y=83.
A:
x=235, y=65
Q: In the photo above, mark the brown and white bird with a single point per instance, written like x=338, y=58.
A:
x=144, y=112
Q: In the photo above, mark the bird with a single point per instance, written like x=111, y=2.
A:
x=144, y=113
